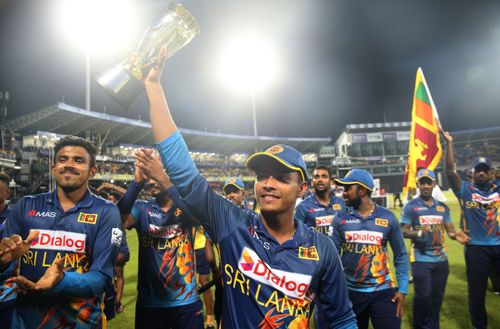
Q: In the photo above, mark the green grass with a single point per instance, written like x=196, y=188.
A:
x=454, y=312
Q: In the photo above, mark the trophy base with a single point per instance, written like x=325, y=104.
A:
x=120, y=85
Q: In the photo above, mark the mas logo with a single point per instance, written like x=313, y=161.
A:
x=87, y=218
x=381, y=222
x=37, y=213
x=294, y=285
x=310, y=253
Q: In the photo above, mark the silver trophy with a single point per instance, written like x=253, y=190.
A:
x=175, y=29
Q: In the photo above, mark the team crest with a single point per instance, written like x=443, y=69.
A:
x=232, y=181
x=425, y=172
x=381, y=222
x=275, y=149
x=177, y=212
x=87, y=218
x=336, y=206
x=310, y=253
x=440, y=208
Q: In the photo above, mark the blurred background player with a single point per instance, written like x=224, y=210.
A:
x=201, y=243
x=317, y=210
x=424, y=220
x=166, y=284
x=479, y=201
x=4, y=196
x=234, y=190
x=361, y=234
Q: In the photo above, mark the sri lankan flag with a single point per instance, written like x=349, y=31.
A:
x=425, y=149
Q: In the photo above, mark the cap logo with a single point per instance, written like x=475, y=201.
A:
x=426, y=172
x=232, y=181
x=275, y=149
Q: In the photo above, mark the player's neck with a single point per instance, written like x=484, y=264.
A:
x=366, y=208
x=69, y=199
x=427, y=199
x=323, y=197
x=281, y=226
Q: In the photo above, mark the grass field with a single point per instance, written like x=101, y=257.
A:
x=454, y=313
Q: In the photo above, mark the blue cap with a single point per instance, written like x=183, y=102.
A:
x=285, y=155
x=234, y=181
x=483, y=161
x=424, y=172
x=357, y=176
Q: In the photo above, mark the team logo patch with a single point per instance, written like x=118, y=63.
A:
x=177, y=212
x=275, y=149
x=336, y=206
x=292, y=284
x=116, y=236
x=381, y=222
x=440, y=208
x=310, y=253
x=87, y=218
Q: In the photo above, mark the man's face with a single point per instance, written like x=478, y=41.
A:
x=4, y=191
x=426, y=185
x=72, y=168
x=234, y=194
x=352, y=196
x=321, y=180
x=481, y=174
x=153, y=188
x=112, y=198
x=276, y=191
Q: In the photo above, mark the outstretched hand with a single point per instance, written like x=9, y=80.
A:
x=49, y=280
x=399, y=298
x=14, y=246
x=152, y=167
x=462, y=237
x=154, y=74
x=448, y=138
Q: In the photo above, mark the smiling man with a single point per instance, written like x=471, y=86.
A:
x=67, y=269
x=480, y=200
x=318, y=209
x=275, y=269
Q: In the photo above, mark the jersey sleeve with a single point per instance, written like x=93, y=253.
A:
x=400, y=256
x=446, y=215
x=100, y=275
x=406, y=214
x=461, y=190
x=300, y=212
x=217, y=214
x=333, y=308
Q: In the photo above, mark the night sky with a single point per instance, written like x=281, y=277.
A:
x=341, y=62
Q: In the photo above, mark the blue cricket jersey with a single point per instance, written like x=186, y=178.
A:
x=314, y=214
x=363, y=247
x=480, y=213
x=418, y=214
x=266, y=285
x=87, y=238
x=7, y=293
x=166, y=256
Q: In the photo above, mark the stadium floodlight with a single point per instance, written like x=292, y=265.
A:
x=249, y=64
x=95, y=26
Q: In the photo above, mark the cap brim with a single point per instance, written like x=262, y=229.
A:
x=349, y=182
x=231, y=184
x=256, y=157
x=426, y=176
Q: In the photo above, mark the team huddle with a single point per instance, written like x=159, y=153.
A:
x=325, y=258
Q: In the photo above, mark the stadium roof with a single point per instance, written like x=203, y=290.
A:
x=65, y=119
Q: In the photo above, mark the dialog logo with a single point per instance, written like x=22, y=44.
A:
x=430, y=220
x=60, y=240
x=324, y=220
x=368, y=237
x=167, y=232
x=294, y=285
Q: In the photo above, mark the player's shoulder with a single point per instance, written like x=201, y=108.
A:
x=99, y=202
x=385, y=213
x=442, y=204
x=308, y=200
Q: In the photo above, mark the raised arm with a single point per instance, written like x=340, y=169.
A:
x=451, y=172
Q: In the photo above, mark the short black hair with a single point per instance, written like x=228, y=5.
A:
x=77, y=141
x=324, y=168
x=115, y=194
x=4, y=178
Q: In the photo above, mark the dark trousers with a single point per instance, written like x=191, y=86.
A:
x=480, y=261
x=376, y=306
x=429, y=280
x=185, y=316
